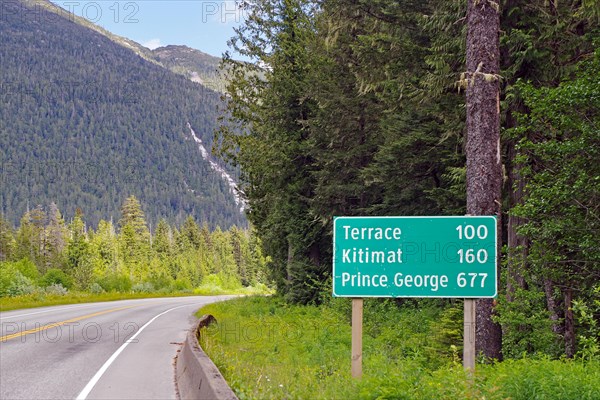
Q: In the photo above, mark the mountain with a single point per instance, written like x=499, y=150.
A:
x=195, y=65
x=88, y=119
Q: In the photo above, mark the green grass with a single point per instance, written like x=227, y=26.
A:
x=41, y=299
x=267, y=349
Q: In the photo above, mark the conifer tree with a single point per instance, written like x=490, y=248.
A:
x=79, y=264
x=163, y=240
x=7, y=240
x=484, y=163
x=104, y=250
x=56, y=239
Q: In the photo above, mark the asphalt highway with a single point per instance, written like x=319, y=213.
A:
x=111, y=350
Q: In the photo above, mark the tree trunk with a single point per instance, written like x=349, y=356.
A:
x=552, y=306
x=484, y=164
x=518, y=246
x=569, y=324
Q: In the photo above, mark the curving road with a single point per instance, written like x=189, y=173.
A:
x=111, y=350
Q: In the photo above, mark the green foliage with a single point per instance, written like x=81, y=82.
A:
x=95, y=288
x=17, y=278
x=6, y=277
x=134, y=260
x=559, y=148
x=27, y=268
x=544, y=379
x=586, y=312
x=115, y=282
x=78, y=255
x=449, y=332
x=56, y=276
x=145, y=287
x=39, y=298
x=56, y=289
x=353, y=109
x=526, y=325
x=7, y=240
x=21, y=285
x=268, y=349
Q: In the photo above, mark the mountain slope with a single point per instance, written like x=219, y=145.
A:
x=87, y=122
x=195, y=65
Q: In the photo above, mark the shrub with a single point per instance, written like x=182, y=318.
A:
x=162, y=281
x=56, y=276
x=17, y=278
x=115, y=283
x=546, y=379
x=7, y=274
x=144, y=287
x=20, y=285
x=56, y=289
x=95, y=288
x=586, y=312
x=26, y=267
x=526, y=325
x=182, y=284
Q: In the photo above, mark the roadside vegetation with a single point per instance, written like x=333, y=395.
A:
x=360, y=111
x=46, y=261
x=269, y=349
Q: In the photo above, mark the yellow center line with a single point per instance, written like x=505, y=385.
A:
x=43, y=328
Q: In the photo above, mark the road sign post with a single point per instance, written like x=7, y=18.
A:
x=447, y=257
x=357, y=317
x=469, y=334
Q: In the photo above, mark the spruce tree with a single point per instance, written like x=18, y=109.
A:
x=484, y=163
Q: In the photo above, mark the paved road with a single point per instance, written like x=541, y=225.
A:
x=112, y=350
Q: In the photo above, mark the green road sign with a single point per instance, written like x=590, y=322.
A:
x=414, y=257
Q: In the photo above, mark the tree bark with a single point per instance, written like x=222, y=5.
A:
x=557, y=328
x=484, y=164
x=569, y=324
x=518, y=245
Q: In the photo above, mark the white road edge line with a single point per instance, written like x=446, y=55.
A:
x=90, y=385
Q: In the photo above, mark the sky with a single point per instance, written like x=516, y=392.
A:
x=204, y=25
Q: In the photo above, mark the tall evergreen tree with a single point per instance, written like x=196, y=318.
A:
x=267, y=102
x=56, y=239
x=79, y=263
x=190, y=234
x=134, y=239
x=7, y=240
x=163, y=239
x=104, y=250
x=132, y=214
x=484, y=163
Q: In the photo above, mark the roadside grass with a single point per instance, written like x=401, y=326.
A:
x=41, y=299
x=267, y=349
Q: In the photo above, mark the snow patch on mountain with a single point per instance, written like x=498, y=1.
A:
x=233, y=188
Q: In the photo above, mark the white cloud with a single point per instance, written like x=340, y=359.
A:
x=152, y=44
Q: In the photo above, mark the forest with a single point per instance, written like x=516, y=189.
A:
x=45, y=254
x=358, y=107
x=86, y=122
